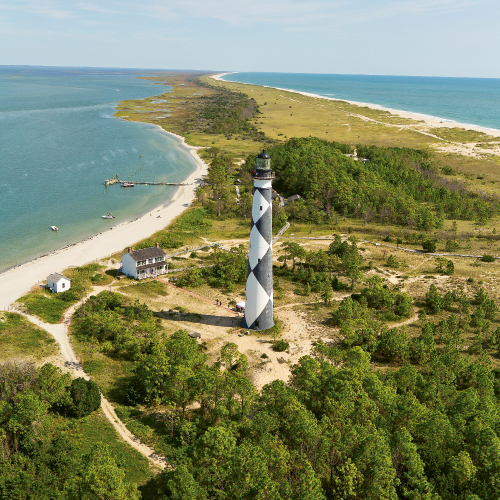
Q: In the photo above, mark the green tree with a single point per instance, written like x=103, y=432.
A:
x=429, y=246
x=181, y=485
x=85, y=397
x=191, y=278
x=101, y=478
x=434, y=300
x=293, y=251
x=351, y=262
x=53, y=385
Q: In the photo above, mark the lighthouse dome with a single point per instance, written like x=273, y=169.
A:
x=263, y=161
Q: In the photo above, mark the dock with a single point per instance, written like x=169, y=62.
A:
x=116, y=180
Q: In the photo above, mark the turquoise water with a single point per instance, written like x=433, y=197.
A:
x=59, y=141
x=465, y=100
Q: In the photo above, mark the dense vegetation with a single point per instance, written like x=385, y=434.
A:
x=394, y=185
x=37, y=460
x=427, y=428
x=228, y=113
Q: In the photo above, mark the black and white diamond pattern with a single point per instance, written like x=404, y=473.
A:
x=259, y=291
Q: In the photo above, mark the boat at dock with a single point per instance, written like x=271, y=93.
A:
x=107, y=216
x=54, y=228
x=127, y=184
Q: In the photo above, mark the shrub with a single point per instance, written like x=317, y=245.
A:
x=429, y=246
x=280, y=345
x=85, y=397
x=488, y=258
x=392, y=262
x=451, y=246
x=192, y=278
x=433, y=300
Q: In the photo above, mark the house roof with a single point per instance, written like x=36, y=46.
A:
x=56, y=277
x=147, y=253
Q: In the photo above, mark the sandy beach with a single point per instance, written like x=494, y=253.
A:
x=17, y=281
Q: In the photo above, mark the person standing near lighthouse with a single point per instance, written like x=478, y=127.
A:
x=259, y=288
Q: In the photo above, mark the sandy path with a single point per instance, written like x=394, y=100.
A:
x=68, y=362
x=17, y=281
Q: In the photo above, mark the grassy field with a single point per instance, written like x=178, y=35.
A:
x=50, y=307
x=20, y=339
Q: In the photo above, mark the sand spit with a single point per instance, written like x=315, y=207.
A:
x=429, y=121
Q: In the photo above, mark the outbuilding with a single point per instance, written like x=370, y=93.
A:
x=58, y=283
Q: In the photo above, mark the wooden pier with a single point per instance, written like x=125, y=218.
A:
x=115, y=180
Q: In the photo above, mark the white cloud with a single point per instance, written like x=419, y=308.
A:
x=44, y=8
x=300, y=15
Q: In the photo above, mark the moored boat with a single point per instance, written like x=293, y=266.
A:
x=127, y=184
x=54, y=228
x=107, y=216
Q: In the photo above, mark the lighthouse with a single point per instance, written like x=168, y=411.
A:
x=259, y=290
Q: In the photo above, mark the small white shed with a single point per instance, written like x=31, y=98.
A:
x=58, y=283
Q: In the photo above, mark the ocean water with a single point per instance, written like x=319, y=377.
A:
x=59, y=141
x=473, y=101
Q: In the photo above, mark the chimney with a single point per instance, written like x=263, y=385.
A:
x=129, y=250
x=156, y=245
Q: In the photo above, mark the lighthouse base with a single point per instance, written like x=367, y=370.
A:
x=264, y=320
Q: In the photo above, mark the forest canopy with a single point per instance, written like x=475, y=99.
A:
x=394, y=185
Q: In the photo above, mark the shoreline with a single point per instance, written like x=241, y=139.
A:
x=18, y=280
x=433, y=121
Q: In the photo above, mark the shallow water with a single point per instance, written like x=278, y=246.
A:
x=59, y=141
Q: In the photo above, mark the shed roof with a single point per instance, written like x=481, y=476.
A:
x=147, y=253
x=56, y=277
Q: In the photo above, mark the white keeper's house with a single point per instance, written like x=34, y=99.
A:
x=58, y=283
x=144, y=263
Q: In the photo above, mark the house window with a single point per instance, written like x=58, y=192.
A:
x=64, y=285
x=261, y=209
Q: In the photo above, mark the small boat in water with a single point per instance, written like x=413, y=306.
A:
x=54, y=228
x=127, y=184
x=107, y=216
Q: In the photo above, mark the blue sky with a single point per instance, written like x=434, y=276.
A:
x=388, y=37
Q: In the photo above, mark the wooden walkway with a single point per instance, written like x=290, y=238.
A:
x=109, y=182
